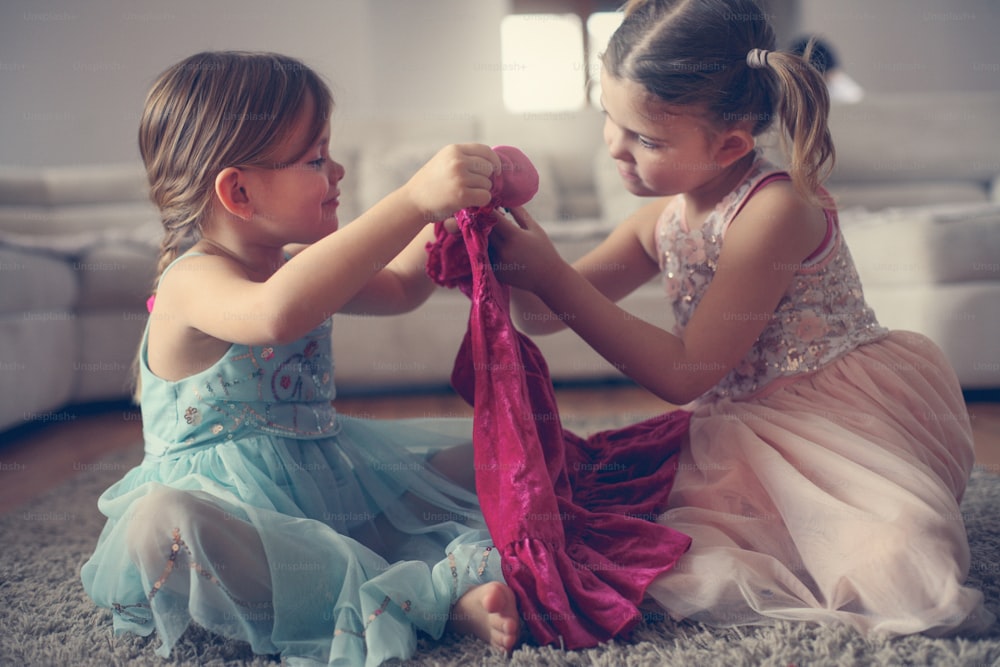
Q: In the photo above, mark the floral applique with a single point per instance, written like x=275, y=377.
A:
x=123, y=611
x=179, y=549
x=484, y=562
x=811, y=326
x=406, y=606
x=192, y=416
x=267, y=353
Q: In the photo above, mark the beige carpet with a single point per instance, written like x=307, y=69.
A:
x=47, y=620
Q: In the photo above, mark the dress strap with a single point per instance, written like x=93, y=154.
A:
x=829, y=213
x=152, y=297
x=766, y=180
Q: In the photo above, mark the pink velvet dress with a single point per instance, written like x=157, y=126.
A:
x=822, y=476
x=572, y=518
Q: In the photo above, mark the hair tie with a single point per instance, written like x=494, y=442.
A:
x=757, y=58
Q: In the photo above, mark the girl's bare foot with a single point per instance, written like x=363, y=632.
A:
x=488, y=611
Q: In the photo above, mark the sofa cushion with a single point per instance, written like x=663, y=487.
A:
x=875, y=196
x=382, y=170
x=70, y=220
x=917, y=137
x=35, y=283
x=36, y=366
x=112, y=276
x=962, y=318
x=83, y=184
x=108, y=341
x=924, y=245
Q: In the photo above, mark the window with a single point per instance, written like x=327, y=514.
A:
x=600, y=27
x=542, y=56
x=549, y=63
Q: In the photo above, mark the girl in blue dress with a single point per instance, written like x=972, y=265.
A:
x=258, y=512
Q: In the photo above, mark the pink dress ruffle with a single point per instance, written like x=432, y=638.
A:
x=833, y=498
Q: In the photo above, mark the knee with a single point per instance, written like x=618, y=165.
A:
x=158, y=518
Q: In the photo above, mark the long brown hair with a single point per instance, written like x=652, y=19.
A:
x=215, y=110
x=694, y=52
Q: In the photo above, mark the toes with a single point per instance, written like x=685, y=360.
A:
x=494, y=598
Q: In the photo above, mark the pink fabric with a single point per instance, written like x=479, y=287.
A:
x=834, y=499
x=571, y=517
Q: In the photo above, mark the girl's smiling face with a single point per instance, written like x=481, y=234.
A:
x=298, y=198
x=659, y=150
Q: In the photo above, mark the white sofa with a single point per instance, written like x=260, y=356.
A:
x=918, y=183
x=916, y=180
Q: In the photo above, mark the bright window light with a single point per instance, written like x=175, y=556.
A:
x=542, y=62
x=600, y=27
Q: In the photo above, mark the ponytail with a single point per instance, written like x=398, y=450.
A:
x=803, y=108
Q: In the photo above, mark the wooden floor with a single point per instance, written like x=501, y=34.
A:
x=38, y=457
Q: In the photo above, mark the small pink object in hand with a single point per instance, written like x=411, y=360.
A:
x=517, y=181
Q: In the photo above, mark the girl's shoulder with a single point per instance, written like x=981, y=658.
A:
x=198, y=265
x=646, y=220
x=777, y=211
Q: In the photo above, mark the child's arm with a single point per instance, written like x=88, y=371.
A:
x=616, y=267
x=401, y=286
x=765, y=245
x=214, y=294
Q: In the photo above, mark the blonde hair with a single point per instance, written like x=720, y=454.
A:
x=214, y=110
x=694, y=52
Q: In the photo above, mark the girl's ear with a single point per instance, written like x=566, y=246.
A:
x=231, y=189
x=731, y=145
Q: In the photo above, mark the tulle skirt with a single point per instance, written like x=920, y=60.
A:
x=832, y=499
x=328, y=551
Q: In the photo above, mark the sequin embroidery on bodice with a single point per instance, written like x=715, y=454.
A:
x=266, y=390
x=822, y=316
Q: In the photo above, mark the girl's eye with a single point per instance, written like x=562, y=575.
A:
x=646, y=143
x=318, y=163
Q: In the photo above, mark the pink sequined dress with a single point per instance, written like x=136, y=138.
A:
x=823, y=475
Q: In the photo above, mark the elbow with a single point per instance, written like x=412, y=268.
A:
x=674, y=395
x=277, y=331
x=681, y=385
x=682, y=397
x=281, y=335
x=286, y=325
x=538, y=324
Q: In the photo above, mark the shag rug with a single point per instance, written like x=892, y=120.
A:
x=47, y=620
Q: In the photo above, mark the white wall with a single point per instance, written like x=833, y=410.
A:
x=897, y=46
x=73, y=74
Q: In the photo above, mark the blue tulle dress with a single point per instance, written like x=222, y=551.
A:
x=262, y=515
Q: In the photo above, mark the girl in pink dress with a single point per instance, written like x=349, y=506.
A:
x=827, y=456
